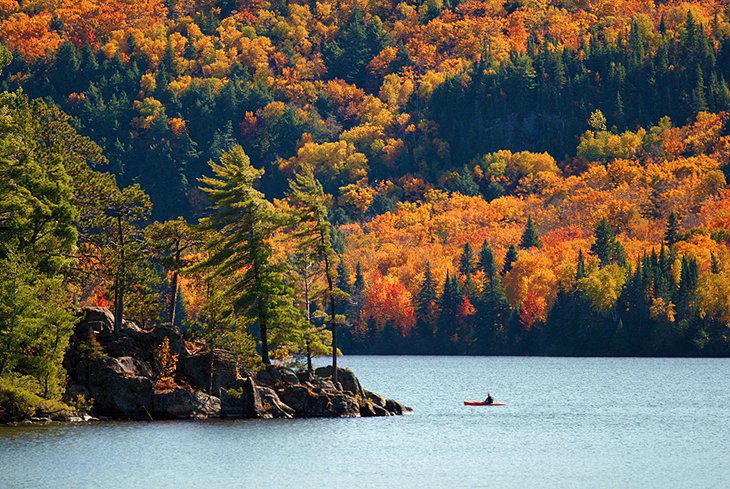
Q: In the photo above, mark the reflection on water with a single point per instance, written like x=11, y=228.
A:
x=568, y=423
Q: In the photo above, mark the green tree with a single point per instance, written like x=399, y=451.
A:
x=35, y=326
x=606, y=247
x=492, y=307
x=509, y=259
x=427, y=304
x=581, y=267
x=121, y=242
x=355, y=44
x=672, y=234
x=309, y=202
x=530, y=238
x=317, y=340
x=466, y=261
x=223, y=330
x=173, y=241
x=242, y=224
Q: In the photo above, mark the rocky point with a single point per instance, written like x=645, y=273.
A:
x=119, y=373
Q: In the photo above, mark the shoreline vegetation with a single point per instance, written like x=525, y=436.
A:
x=136, y=374
x=286, y=180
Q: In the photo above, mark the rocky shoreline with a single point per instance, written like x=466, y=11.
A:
x=119, y=376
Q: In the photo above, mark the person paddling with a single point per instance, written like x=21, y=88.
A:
x=489, y=399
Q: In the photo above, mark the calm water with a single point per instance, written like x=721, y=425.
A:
x=569, y=423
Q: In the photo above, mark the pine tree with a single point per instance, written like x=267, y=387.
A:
x=509, y=259
x=242, y=225
x=486, y=260
x=354, y=46
x=686, y=295
x=343, y=277
x=606, y=247
x=581, y=268
x=448, y=304
x=714, y=263
x=672, y=234
x=492, y=309
x=426, y=304
x=466, y=261
x=173, y=241
x=699, y=100
x=358, y=291
x=315, y=233
x=530, y=238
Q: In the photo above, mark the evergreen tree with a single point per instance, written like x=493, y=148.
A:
x=315, y=232
x=606, y=247
x=354, y=46
x=343, y=277
x=358, y=291
x=427, y=304
x=530, y=238
x=242, y=224
x=672, y=234
x=466, y=261
x=492, y=308
x=581, y=268
x=173, y=241
x=509, y=259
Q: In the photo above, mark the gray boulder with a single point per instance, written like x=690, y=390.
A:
x=131, y=326
x=269, y=376
x=100, y=319
x=394, y=407
x=369, y=409
x=242, y=402
x=130, y=366
x=197, y=370
x=345, y=377
x=119, y=396
x=376, y=398
x=288, y=376
x=308, y=403
x=272, y=405
x=183, y=403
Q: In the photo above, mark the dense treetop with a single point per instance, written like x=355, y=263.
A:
x=371, y=94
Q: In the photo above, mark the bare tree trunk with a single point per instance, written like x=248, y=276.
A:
x=210, y=380
x=333, y=323
x=264, y=338
x=119, y=289
x=308, y=339
x=173, y=293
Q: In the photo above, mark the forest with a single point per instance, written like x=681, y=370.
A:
x=288, y=179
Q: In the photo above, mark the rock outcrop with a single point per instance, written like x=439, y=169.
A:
x=119, y=372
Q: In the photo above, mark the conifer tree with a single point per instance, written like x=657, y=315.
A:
x=672, y=234
x=427, y=303
x=315, y=233
x=606, y=247
x=509, y=259
x=492, y=308
x=466, y=261
x=242, y=225
x=173, y=241
x=530, y=238
x=581, y=268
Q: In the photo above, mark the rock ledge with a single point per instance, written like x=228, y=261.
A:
x=119, y=373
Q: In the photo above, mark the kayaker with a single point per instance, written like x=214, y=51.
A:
x=489, y=399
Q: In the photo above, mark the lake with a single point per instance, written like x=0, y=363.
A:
x=569, y=422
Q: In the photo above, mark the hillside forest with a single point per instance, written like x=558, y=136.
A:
x=544, y=177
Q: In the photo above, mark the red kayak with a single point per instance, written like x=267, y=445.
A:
x=482, y=403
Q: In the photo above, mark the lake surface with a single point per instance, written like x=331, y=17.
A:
x=569, y=422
